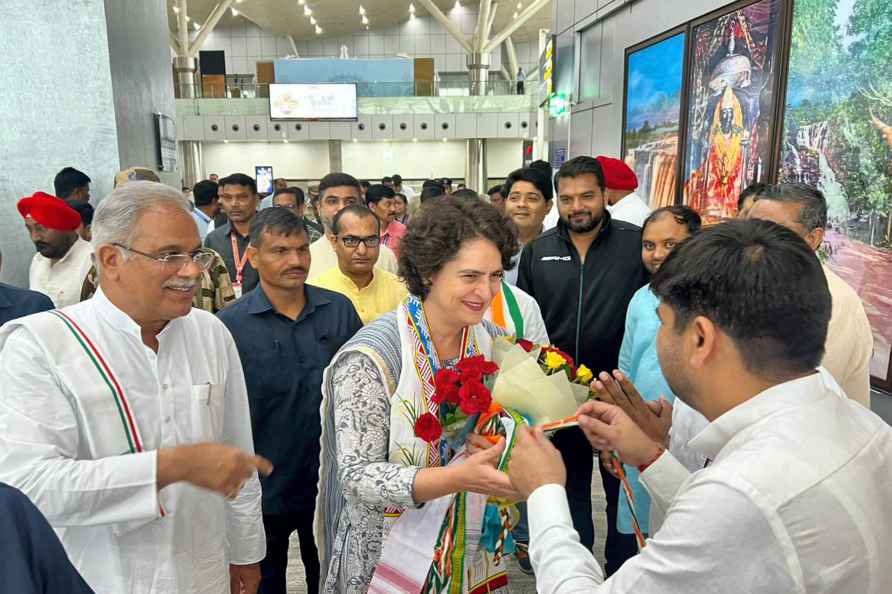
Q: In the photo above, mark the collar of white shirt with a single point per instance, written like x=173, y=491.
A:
x=717, y=434
x=119, y=320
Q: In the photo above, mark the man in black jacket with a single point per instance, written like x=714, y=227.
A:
x=583, y=274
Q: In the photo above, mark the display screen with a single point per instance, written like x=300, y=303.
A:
x=263, y=174
x=322, y=101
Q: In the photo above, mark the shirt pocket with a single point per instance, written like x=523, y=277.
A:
x=206, y=411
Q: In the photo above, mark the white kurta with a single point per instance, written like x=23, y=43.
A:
x=62, y=280
x=534, y=326
x=631, y=209
x=106, y=509
x=796, y=500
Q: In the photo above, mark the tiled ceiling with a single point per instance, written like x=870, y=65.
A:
x=341, y=17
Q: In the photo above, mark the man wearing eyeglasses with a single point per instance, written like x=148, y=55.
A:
x=293, y=199
x=287, y=332
x=125, y=417
x=357, y=241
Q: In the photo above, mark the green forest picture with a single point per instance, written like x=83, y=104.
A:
x=838, y=136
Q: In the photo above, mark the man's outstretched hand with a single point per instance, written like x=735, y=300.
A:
x=535, y=462
x=608, y=427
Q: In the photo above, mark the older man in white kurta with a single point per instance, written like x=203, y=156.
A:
x=125, y=417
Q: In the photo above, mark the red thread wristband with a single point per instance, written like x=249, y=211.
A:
x=644, y=467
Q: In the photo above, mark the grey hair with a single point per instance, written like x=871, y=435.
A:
x=813, y=211
x=116, y=217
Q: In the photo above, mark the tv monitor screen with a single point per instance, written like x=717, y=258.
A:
x=263, y=174
x=322, y=101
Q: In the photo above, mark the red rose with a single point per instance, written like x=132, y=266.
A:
x=476, y=365
x=475, y=398
x=525, y=344
x=446, y=384
x=428, y=428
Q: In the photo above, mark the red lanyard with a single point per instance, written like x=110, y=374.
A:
x=240, y=261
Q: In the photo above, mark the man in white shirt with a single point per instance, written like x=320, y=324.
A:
x=803, y=210
x=622, y=201
x=795, y=497
x=125, y=417
x=205, y=195
x=336, y=191
x=529, y=197
x=63, y=259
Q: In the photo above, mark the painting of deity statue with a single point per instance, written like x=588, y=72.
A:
x=654, y=79
x=730, y=106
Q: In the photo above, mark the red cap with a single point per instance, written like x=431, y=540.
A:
x=49, y=211
x=617, y=175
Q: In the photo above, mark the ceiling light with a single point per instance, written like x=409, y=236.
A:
x=515, y=15
x=225, y=141
x=365, y=20
x=196, y=26
x=312, y=20
x=457, y=5
x=411, y=7
x=285, y=140
x=175, y=8
x=411, y=16
x=234, y=12
x=366, y=27
x=300, y=2
x=354, y=140
x=414, y=140
x=188, y=18
x=361, y=10
x=239, y=1
x=519, y=5
x=445, y=139
x=307, y=11
x=318, y=30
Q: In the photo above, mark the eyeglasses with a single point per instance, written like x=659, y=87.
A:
x=290, y=206
x=201, y=257
x=351, y=241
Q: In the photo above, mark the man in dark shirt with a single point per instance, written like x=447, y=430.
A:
x=32, y=560
x=286, y=333
x=239, y=200
x=18, y=303
x=583, y=273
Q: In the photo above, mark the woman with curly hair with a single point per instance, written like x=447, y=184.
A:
x=386, y=497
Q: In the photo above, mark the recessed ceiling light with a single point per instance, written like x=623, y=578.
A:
x=175, y=8
x=445, y=139
x=515, y=15
x=318, y=30
x=188, y=18
x=300, y=2
x=354, y=140
x=234, y=12
x=365, y=20
x=195, y=25
x=225, y=141
x=307, y=11
x=457, y=5
x=239, y=1
x=361, y=9
x=366, y=27
x=414, y=140
x=411, y=7
x=285, y=140
x=312, y=20
x=519, y=5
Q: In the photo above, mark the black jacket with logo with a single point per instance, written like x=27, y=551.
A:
x=584, y=304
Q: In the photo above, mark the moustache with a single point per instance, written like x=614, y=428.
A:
x=300, y=270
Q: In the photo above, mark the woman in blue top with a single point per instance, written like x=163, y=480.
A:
x=661, y=232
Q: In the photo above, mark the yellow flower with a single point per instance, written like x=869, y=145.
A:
x=554, y=361
x=584, y=374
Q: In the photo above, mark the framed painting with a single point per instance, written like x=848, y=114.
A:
x=730, y=104
x=654, y=78
x=837, y=136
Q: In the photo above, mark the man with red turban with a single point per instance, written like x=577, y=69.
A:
x=63, y=259
x=622, y=201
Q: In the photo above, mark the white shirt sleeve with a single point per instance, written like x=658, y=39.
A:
x=40, y=446
x=387, y=260
x=244, y=521
x=562, y=564
x=534, y=326
x=714, y=540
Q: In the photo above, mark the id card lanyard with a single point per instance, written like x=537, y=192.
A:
x=240, y=262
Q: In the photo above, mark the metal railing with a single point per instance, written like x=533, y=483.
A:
x=452, y=88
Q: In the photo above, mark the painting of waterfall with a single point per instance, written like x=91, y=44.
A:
x=654, y=77
x=730, y=105
x=838, y=136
